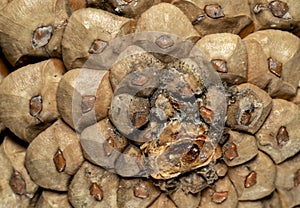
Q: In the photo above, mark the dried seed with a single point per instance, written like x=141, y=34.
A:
x=41, y=36
x=35, y=105
x=220, y=65
x=140, y=191
x=206, y=113
x=297, y=178
x=96, y=191
x=214, y=11
x=164, y=42
x=279, y=9
x=245, y=118
x=192, y=154
x=275, y=66
x=250, y=179
x=98, y=46
x=87, y=103
x=231, y=152
x=59, y=161
x=282, y=135
x=17, y=183
x=219, y=197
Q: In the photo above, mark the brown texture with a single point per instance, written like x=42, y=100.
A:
x=17, y=188
x=278, y=143
x=40, y=164
x=133, y=58
x=287, y=182
x=296, y=98
x=126, y=197
x=167, y=18
x=278, y=14
x=230, y=49
x=163, y=201
x=83, y=97
x=18, y=21
x=49, y=199
x=17, y=90
x=84, y=27
x=131, y=164
x=239, y=148
x=251, y=180
x=102, y=144
x=270, y=201
x=249, y=108
x=182, y=199
x=3, y=3
x=130, y=8
x=105, y=184
x=222, y=194
x=283, y=48
x=3, y=73
x=217, y=16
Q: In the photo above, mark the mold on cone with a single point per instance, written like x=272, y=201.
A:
x=171, y=111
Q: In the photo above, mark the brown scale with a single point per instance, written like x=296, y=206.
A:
x=282, y=136
x=219, y=197
x=35, y=105
x=98, y=46
x=59, y=161
x=207, y=114
x=220, y=65
x=231, y=152
x=140, y=191
x=191, y=155
x=250, y=179
x=96, y=192
x=275, y=67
